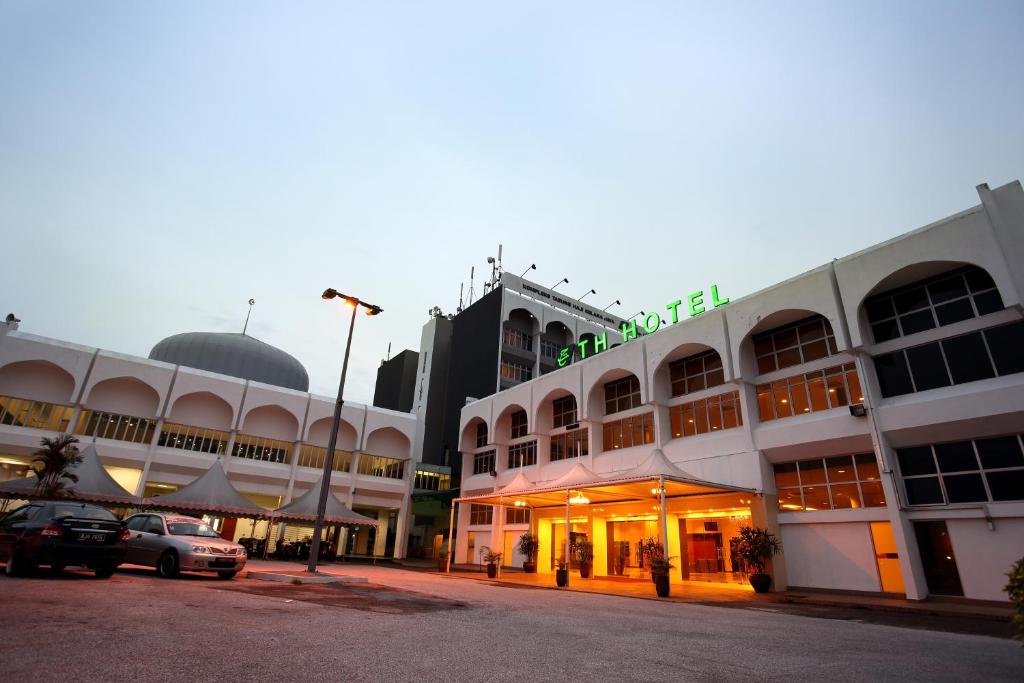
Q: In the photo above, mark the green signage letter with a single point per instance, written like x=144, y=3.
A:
x=583, y=347
x=601, y=343
x=628, y=331
x=714, y=297
x=563, y=357
x=675, y=313
x=696, y=302
x=652, y=327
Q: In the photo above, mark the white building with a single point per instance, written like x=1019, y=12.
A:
x=158, y=425
x=869, y=412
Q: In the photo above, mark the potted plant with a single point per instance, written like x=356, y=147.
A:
x=585, y=557
x=621, y=557
x=755, y=548
x=492, y=559
x=562, y=572
x=660, y=567
x=649, y=549
x=528, y=546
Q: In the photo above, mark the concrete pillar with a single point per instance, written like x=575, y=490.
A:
x=150, y=450
x=380, y=541
x=544, y=534
x=599, y=537
x=401, y=524
x=764, y=514
x=228, y=450
x=673, y=550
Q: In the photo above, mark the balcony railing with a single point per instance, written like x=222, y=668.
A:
x=22, y=412
x=113, y=426
x=189, y=438
x=262, y=449
x=426, y=480
x=379, y=466
x=313, y=456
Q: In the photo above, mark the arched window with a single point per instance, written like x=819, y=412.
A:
x=793, y=344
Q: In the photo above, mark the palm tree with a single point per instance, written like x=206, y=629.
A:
x=51, y=464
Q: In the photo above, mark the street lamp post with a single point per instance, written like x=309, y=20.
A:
x=325, y=481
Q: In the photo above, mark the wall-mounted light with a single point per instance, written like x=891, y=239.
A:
x=563, y=281
x=533, y=266
x=593, y=291
x=858, y=410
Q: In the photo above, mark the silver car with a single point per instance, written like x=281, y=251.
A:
x=173, y=543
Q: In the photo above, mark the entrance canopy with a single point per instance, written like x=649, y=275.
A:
x=304, y=509
x=94, y=485
x=620, y=486
x=211, y=493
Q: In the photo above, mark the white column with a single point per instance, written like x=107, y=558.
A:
x=380, y=541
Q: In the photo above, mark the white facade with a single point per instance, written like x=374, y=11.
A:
x=139, y=409
x=867, y=545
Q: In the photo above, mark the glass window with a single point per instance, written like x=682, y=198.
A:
x=927, y=367
x=154, y=525
x=137, y=523
x=956, y=457
x=621, y=394
x=563, y=411
x=816, y=498
x=844, y=496
x=867, y=467
x=793, y=344
x=519, y=427
x=522, y=455
x=483, y=462
x=829, y=483
x=840, y=469
x=893, y=374
x=872, y=494
x=964, y=488
x=811, y=392
x=569, y=445
x=1003, y=451
x=517, y=516
x=480, y=514
x=1006, y=484
x=481, y=434
x=785, y=475
x=923, y=491
x=1006, y=343
x=694, y=373
x=954, y=311
x=711, y=414
x=629, y=431
x=967, y=358
x=915, y=461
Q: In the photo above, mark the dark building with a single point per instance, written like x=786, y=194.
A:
x=396, y=382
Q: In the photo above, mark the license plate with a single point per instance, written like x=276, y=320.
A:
x=222, y=563
x=92, y=538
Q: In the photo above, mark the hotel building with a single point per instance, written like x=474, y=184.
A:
x=869, y=412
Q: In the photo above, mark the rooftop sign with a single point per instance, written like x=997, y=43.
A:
x=652, y=322
x=560, y=301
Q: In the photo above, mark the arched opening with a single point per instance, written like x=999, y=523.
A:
x=512, y=423
x=271, y=422
x=38, y=380
x=614, y=392
x=556, y=336
x=202, y=409
x=474, y=435
x=785, y=339
x=320, y=434
x=923, y=296
x=559, y=408
x=520, y=330
x=124, y=396
x=388, y=442
x=689, y=368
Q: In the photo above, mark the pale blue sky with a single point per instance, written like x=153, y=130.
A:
x=162, y=162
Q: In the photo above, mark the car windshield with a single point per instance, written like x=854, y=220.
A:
x=83, y=512
x=191, y=529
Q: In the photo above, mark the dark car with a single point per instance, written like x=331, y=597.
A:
x=59, y=534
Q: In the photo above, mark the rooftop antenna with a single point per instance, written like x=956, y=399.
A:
x=389, y=351
x=472, y=274
x=461, y=286
x=246, y=325
x=499, y=264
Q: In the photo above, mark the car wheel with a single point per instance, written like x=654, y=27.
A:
x=56, y=568
x=226, y=575
x=104, y=571
x=14, y=565
x=168, y=565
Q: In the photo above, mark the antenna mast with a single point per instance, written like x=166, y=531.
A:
x=461, y=285
x=246, y=325
x=472, y=274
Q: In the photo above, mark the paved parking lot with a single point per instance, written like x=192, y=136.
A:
x=407, y=625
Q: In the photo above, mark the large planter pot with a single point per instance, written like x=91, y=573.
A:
x=562, y=577
x=530, y=567
x=492, y=571
x=442, y=563
x=584, y=571
x=661, y=585
x=761, y=582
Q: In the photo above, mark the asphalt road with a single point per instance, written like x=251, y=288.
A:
x=417, y=626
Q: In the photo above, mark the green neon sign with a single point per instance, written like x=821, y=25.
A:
x=652, y=322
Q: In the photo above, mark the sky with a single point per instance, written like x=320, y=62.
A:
x=163, y=162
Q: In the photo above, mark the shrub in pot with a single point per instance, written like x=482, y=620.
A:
x=1015, y=589
x=585, y=557
x=755, y=548
x=492, y=559
x=562, y=572
x=660, y=568
x=528, y=546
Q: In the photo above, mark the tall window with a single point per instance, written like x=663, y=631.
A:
x=977, y=471
x=965, y=358
x=622, y=394
x=517, y=339
x=483, y=462
x=941, y=300
x=629, y=431
x=549, y=349
x=379, y=466
x=702, y=371
x=563, y=411
x=114, y=426
x=516, y=371
x=707, y=415
x=813, y=391
x=844, y=481
x=519, y=426
x=569, y=445
x=522, y=455
x=481, y=434
x=799, y=342
x=480, y=514
x=426, y=480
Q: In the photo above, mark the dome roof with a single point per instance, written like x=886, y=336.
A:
x=237, y=355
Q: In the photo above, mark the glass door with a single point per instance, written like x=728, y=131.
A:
x=937, y=557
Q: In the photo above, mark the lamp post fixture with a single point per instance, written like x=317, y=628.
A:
x=592, y=291
x=325, y=482
x=564, y=280
x=614, y=303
